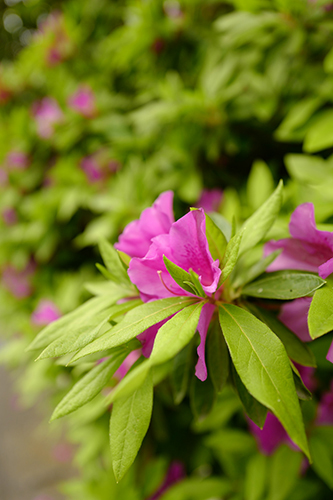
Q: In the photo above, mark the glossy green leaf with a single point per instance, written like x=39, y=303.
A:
x=284, y=470
x=256, y=477
x=256, y=270
x=176, y=334
x=181, y=277
x=256, y=411
x=320, y=317
x=261, y=221
x=113, y=263
x=89, y=385
x=217, y=242
x=284, y=285
x=222, y=223
x=196, y=282
x=296, y=349
x=263, y=366
x=77, y=339
x=136, y=322
x=231, y=256
x=130, y=419
x=307, y=169
x=217, y=357
x=76, y=320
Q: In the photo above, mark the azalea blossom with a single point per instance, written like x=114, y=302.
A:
x=271, y=436
x=47, y=114
x=183, y=242
x=83, y=102
x=98, y=166
x=18, y=282
x=45, y=313
x=308, y=249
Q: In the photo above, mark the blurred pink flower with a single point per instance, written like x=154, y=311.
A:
x=47, y=114
x=98, y=167
x=45, y=313
x=18, y=282
x=175, y=473
x=271, y=435
x=83, y=101
x=63, y=452
x=9, y=216
x=210, y=200
x=16, y=160
x=309, y=250
x=59, y=45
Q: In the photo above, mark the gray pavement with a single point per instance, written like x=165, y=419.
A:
x=28, y=469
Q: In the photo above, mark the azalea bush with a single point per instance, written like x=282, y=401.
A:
x=203, y=332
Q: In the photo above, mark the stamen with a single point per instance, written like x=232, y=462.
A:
x=165, y=286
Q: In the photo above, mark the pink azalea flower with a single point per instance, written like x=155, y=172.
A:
x=325, y=408
x=16, y=160
x=60, y=45
x=18, y=282
x=137, y=236
x=184, y=242
x=9, y=216
x=175, y=473
x=309, y=249
x=47, y=114
x=45, y=313
x=83, y=102
x=271, y=436
x=210, y=200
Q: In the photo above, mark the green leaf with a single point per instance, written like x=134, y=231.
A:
x=136, y=322
x=231, y=256
x=256, y=411
x=302, y=391
x=75, y=320
x=217, y=357
x=256, y=270
x=284, y=285
x=307, y=169
x=260, y=184
x=285, y=466
x=296, y=349
x=176, y=334
x=320, y=318
x=181, y=374
x=113, y=263
x=217, y=242
x=183, y=278
x=78, y=339
x=171, y=338
x=198, y=287
x=89, y=385
x=321, y=453
x=130, y=419
x=319, y=135
x=195, y=488
x=223, y=224
x=263, y=366
x=262, y=220
x=202, y=397
x=255, y=477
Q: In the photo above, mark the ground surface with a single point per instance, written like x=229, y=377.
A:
x=28, y=469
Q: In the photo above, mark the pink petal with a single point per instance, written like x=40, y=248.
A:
x=45, y=313
x=329, y=356
x=296, y=254
x=147, y=338
x=204, y=321
x=294, y=315
x=270, y=436
x=155, y=220
x=303, y=227
x=210, y=200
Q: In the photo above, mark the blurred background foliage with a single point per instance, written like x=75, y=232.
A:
x=104, y=105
